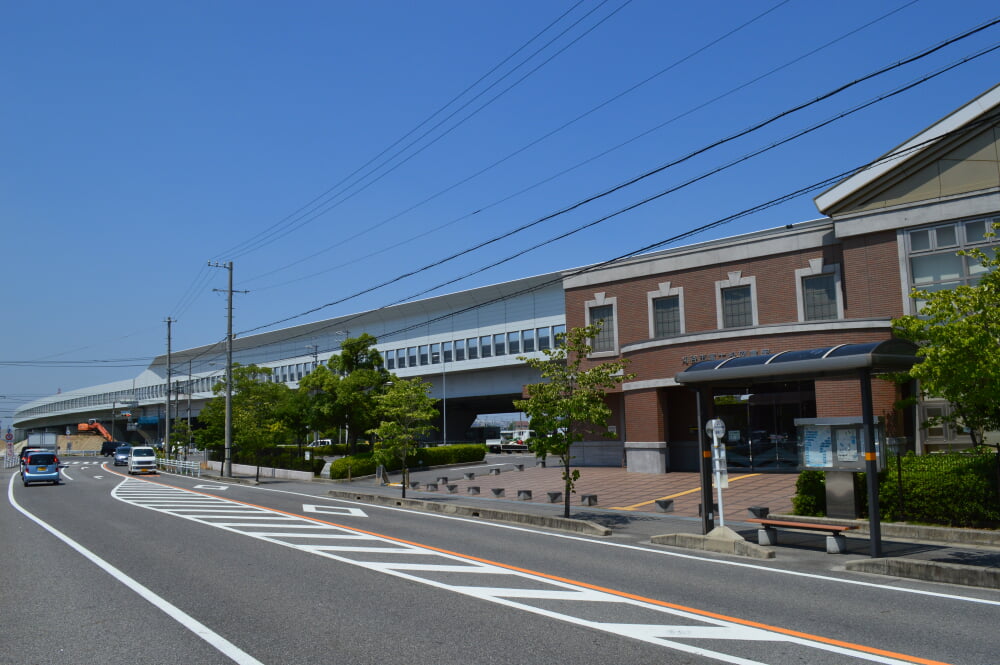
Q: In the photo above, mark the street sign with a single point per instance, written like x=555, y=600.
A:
x=715, y=427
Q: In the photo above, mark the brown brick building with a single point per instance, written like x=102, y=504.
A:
x=838, y=280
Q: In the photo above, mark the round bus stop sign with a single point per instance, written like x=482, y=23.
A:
x=715, y=427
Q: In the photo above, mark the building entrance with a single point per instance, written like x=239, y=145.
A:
x=760, y=423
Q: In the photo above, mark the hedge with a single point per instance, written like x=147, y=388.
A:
x=364, y=464
x=950, y=489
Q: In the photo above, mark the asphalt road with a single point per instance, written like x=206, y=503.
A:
x=166, y=569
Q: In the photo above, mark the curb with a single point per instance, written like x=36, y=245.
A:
x=499, y=515
x=709, y=543
x=930, y=571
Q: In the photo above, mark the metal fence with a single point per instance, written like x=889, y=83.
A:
x=180, y=466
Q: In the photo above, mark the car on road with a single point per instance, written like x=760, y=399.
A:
x=121, y=455
x=40, y=467
x=141, y=459
x=108, y=448
x=27, y=451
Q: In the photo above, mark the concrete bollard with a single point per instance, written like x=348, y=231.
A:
x=497, y=491
x=665, y=505
x=519, y=467
x=415, y=484
x=524, y=495
x=760, y=512
x=473, y=489
x=452, y=489
x=470, y=476
x=443, y=480
x=494, y=472
x=431, y=487
x=555, y=497
x=588, y=499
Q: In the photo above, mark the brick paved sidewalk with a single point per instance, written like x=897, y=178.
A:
x=618, y=489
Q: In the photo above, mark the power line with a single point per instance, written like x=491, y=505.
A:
x=660, y=169
x=255, y=242
x=370, y=228
x=385, y=248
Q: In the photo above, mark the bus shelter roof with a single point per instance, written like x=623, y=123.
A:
x=891, y=355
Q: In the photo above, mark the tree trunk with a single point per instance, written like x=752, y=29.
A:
x=568, y=486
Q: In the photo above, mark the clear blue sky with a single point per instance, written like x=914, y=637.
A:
x=142, y=140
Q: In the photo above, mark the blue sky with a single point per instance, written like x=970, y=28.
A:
x=143, y=140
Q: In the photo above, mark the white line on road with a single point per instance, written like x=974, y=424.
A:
x=220, y=643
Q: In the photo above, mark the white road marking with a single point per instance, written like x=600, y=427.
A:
x=725, y=634
x=333, y=510
x=200, y=630
x=661, y=552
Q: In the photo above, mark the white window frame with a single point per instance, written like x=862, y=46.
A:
x=601, y=300
x=816, y=267
x=736, y=278
x=665, y=291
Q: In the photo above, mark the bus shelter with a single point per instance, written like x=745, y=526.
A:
x=858, y=360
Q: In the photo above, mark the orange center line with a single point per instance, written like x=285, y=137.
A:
x=594, y=587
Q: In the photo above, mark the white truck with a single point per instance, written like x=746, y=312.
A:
x=510, y=441
x=141, y=459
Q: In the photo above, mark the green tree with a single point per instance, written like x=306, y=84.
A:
x=180, y=438
x=256, y=407
x=343, y=392
x=958, y=331
x=570, y=404
x=405, y=411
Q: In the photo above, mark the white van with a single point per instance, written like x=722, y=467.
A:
x=141, y=459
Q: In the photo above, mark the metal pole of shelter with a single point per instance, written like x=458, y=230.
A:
x=705, y=468
x=871, y=463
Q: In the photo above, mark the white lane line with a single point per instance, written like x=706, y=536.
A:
x=202, y=631
x=458, y=565
x=875, y=586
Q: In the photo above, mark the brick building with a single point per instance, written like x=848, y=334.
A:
x=837, y=280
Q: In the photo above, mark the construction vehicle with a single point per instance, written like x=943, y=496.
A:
x=109, y=445
x=93, y=426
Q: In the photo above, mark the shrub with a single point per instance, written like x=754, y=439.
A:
x=810, y=494
x=365, y=465
x=950, y=489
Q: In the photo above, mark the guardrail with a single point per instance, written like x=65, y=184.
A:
x=180, y=466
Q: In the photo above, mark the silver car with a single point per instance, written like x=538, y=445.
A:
x=121, y=455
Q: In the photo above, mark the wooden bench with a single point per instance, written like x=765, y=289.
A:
x=836, y=543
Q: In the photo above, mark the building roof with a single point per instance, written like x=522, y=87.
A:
x=943, y=134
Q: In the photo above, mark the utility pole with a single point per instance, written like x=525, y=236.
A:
x=227, y=466
x=166, y=430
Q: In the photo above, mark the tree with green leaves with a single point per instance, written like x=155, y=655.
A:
x=256, y=407
x=343, y=392
x=570, y=404
x=405, y=412
x=958, y=331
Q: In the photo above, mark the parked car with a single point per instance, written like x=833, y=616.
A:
x=40, y=467
x=121, y=454
x=141, y=459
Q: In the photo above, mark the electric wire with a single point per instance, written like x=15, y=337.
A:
x=657, y=170
x=267, y=236
x=385, y=248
